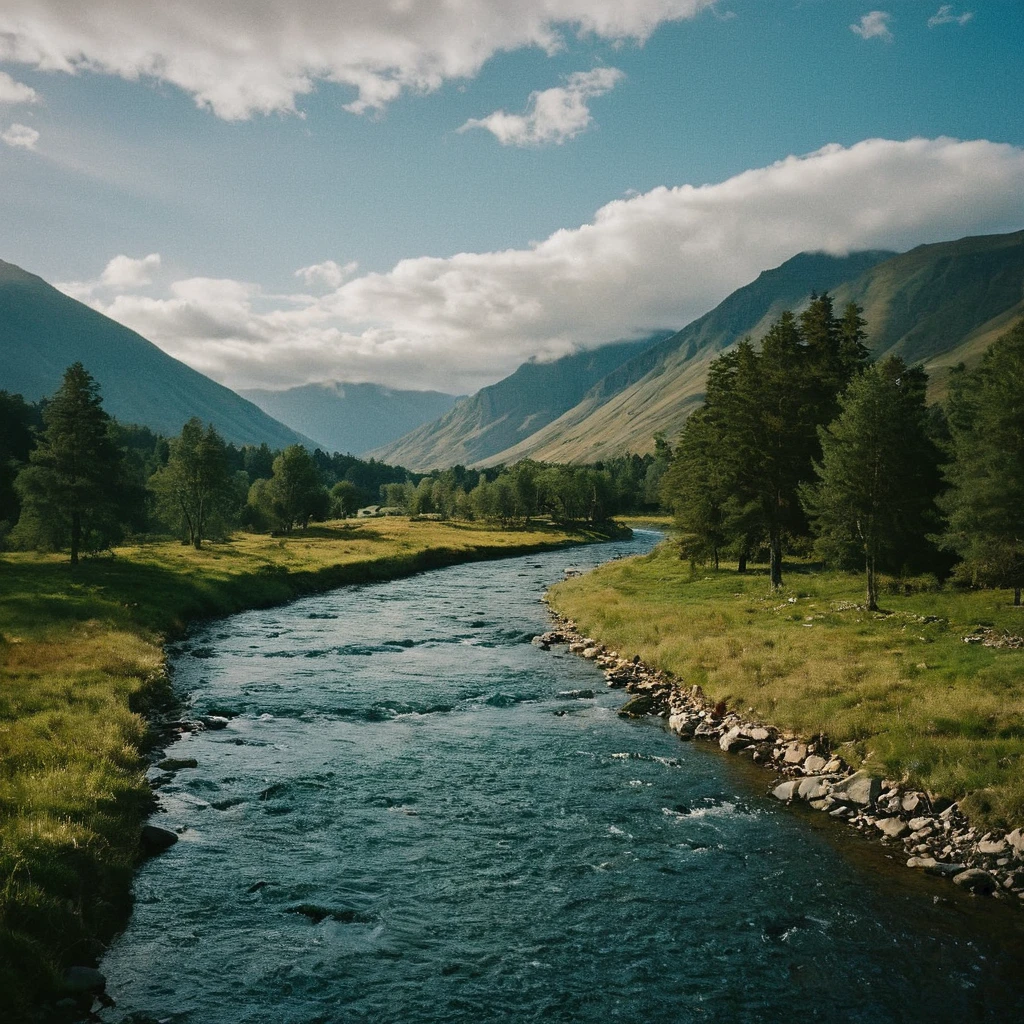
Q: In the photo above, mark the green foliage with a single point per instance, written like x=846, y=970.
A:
x=985, y=504
x=293, y=495
x=879, y=473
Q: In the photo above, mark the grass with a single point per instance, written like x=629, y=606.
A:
x=81, y=667
x=893, y=691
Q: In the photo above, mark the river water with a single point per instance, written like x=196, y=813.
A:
x=416, y=816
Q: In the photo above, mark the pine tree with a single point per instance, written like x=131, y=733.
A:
x=73, y=483
x=985, y=504
x=878, y=475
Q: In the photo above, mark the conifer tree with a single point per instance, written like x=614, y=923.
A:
x=985, y=503
x=878, y=476
x=73, y=483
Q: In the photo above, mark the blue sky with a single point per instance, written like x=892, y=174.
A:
x=163, y=136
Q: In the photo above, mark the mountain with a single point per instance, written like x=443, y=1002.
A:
x=502, y=415
x=43, y=331
x=351, y=417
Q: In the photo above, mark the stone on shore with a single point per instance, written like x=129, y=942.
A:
x=795, y=752
x=814, y=764
x=787, y=790
x=173, y=764
x=643, y=704
x=860, y=788
x=812, y=789
x=993, y=848
x=892, y=827
x=977, y=881
x=156, y=839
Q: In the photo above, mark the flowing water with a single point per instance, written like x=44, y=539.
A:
x=416, y=816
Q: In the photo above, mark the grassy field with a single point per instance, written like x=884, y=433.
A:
x=899, y=691
x=81, y=664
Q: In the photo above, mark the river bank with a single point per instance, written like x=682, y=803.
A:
x=83, y=671
x=887, y=752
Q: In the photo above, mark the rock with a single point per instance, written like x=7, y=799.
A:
x=83, y=980
x=172, y=764
x=644, y=704
x=732, y=740
x=993, y=848
x=976, y=881
x=590, y=653
x=824, y=804
x=1016, y=841
x=860, y=788
x=914, y=803
x=156, y=839
x=759, y=734
x=836, y=765
x=892, y=827
x=794, y=752
x=925, y=863
x=814, y=764
x=812, y=789
x=917, y=824
x=220, y=722
x=787, y=790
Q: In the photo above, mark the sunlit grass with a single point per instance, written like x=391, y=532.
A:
x=907, y=697
x=81, y=663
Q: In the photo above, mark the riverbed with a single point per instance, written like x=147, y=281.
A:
x=417, y=816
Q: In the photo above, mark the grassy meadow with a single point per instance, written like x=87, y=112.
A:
x=898, y=691
x=81, y=665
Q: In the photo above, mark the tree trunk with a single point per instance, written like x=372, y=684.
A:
x=872, y=593
x=775, y=562
x=1016, y=597
x=716, y=559
x=743, y=561
x=76, y=536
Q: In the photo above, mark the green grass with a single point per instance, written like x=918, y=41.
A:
x=906, y=698
x=81, y=665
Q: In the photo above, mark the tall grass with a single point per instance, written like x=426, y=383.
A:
x=898, y=691
x=81, y=666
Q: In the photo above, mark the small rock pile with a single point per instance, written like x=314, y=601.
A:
x=934, y=833
x=989, y=637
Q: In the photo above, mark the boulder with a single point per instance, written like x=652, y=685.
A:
x=644, y=704
x=220, y=722
x=812, y=789
x=993, y=848
x=860, y=788
x=917, y=824
x=759, y=734
x=794, y=752
x=732, y=740
x=590, y=653
x=156, y=839
x=787, y=790
x=975, y=880
x=892, y=827
x=83, y=980
x=914, y=803
x=836, y=765
x=173, y=764
x=924, y=863
x=1016, y=842
x=814, y=764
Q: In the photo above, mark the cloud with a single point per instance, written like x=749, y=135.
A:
x=15, y=92
x=21, y=136
x=240, y=58
x=553, y=115
x=649, y=262
x=327, y=274
x=874, y=25
x=125, y=272
x=945, y=16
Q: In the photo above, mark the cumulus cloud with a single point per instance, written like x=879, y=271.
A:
x=239, y=58
x=16, y=92
x=553, y=115
x=874, y=25
x=20, y=136
x=327, y=274
x=945, y=16
x=644, y=263
x=125, y=272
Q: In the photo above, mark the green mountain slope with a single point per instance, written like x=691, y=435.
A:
x=937, y=305
x=503, y=414
x=43, y=331
x=660, y=387
x=351, y=417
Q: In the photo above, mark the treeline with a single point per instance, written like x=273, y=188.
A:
x=804, y=445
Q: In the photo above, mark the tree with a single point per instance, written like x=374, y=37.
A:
x=73, y=484
x=985, y=503
x=195, y=485
x=17, y=418
x=346, y=499
x=293, y=495
x=879, y=472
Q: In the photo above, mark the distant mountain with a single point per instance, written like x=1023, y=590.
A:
x=351, y=417
x=43, y=331
x=938, y=305
x=502, y=415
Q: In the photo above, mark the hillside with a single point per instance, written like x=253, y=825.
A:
x=43, y=331
x=500, y=416
x=351, y=417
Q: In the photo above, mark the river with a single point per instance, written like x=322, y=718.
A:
x=415, y=816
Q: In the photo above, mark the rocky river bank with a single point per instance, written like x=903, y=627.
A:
x=934, y=834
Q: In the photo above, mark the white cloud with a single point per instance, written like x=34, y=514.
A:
x=126, y=272
x=239, y=58
x=553, y=115
x=874, y=25
x=15, y=92
x=327, y=274
x=945, y=16
x=21, y=136
x=644, y=263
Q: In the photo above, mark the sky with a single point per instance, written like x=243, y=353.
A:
x=426, y=193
